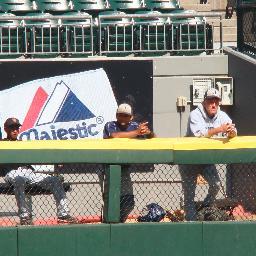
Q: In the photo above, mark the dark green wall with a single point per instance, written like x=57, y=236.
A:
x=142, y=239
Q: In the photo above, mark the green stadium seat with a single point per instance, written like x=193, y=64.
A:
x=162, y=4
x=116, y=34
x=56, y=6
x=78, y=39
x=248, y=2
x=16, y=6
x=153, y=33
x=90, y=6
x=43, y=36
x=192, y=33
x=10, y=37
x=125, y=5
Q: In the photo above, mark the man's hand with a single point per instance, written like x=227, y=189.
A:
x=140, y=131
x=229, y=129
x=225, y=128
x=143, y=129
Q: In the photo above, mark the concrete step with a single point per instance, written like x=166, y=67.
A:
x=229, y=22
x=229, y=34
x=225, y=22
x=214, y=5
x=226, y=38
x=197, y=7
x=226, y=30
x=218, y=5
x=184, y=2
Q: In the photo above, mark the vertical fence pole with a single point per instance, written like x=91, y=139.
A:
x=112, y=185
x=240, y=28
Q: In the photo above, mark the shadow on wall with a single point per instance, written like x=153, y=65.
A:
x=241, y=184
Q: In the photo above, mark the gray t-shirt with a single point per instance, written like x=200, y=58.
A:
x=199, y=123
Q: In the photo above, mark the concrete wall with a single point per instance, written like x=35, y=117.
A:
x=173, y=77
x=243, y=69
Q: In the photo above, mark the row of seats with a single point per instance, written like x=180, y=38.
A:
x=114, y=33
x=58, y=6
x=58, y=28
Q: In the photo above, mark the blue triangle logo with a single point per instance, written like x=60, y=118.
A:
x=73, y=110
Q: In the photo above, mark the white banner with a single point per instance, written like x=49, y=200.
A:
x=73, y=106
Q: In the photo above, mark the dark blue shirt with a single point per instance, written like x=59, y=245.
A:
x=114, y=126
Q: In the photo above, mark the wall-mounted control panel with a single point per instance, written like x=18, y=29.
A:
x=223, y=84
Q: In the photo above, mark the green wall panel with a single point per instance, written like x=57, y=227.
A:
x=214, y=156
x=65, y=240
x=229, y=238
x=8, y=241
x=112, y=186
x=85, y=156
x=161, y=239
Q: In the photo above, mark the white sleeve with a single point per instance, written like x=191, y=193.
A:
x=197, y=125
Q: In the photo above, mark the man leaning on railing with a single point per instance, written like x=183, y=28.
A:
x=207, y=120
x=125, y=127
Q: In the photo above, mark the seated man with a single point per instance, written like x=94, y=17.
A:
x=230, y=7
x=21, y=175
x=124, y=127
x=207, y=120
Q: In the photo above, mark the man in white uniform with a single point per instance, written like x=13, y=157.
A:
x=21, y=175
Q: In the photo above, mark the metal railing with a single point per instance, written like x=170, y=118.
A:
x=137, y=34
x=46, y=35
x=161, y=33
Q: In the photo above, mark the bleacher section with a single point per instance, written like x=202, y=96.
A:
x=229, y=25
x=50, y=28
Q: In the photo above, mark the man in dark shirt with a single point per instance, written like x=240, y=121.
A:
x=21, y=175
x=125, y=127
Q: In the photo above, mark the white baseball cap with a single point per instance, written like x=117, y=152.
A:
x=212, y=93
x=124, y=109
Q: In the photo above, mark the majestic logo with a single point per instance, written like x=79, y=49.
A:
x=62, y=106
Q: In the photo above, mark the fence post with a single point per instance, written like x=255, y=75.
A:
x=111, y=197
x=240, y=35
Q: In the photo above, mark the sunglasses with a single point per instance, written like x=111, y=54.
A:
x=14, y=127
x=123, y=115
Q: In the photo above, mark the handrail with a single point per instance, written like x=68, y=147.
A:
x=118, y=151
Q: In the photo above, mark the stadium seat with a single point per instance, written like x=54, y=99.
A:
x=162, y=4
x=78, y=36
x=43, y=36
x=90, y=6
x=125, y=5
x=56, y=6
x=16, y=6
x=10, y=37
x=247, y=2
x=191, y=33
x=153, y=33
x=116, y=35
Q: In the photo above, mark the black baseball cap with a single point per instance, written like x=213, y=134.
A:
x=12, y=122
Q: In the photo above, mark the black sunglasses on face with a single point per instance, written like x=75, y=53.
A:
x=14, y=127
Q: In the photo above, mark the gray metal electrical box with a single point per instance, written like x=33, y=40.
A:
x=225, y=86
x=200, y=86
